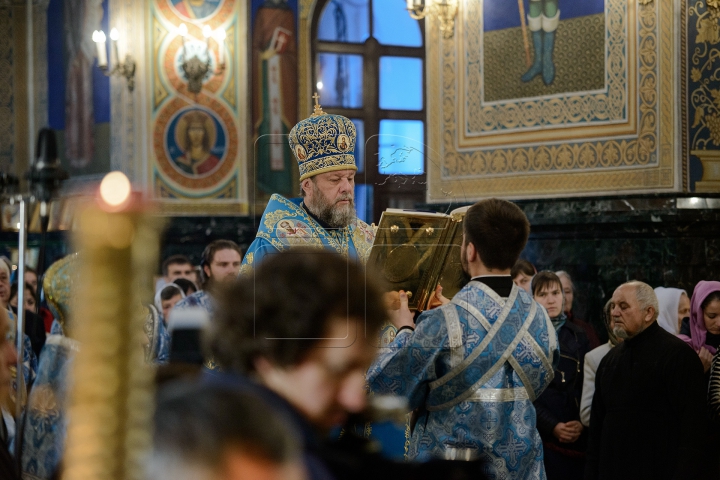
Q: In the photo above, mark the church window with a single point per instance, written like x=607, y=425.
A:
x=369, y=65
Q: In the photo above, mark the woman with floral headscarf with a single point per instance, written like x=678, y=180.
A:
x=702, y=332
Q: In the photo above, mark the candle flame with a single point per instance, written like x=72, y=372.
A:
x=98, y=36
x=115, y=189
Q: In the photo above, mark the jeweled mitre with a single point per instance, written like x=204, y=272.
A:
x=323, y=143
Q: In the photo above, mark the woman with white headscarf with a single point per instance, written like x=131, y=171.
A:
x=167, y=297
x=674, y=305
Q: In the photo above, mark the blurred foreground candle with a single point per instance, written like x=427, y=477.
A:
x=111, y=401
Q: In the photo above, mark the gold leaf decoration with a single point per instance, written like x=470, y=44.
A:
x=695, y=74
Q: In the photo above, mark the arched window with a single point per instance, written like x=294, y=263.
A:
x=369, y=65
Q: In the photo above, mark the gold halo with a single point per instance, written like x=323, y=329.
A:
x=194, y=116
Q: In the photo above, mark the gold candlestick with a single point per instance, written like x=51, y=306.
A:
x=111, y=400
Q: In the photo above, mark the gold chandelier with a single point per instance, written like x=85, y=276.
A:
x=444, y=10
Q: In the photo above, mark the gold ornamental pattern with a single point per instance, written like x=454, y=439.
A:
x=637, y=155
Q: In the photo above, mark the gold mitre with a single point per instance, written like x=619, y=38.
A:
x=323, y=143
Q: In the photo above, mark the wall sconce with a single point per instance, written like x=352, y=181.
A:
x=444, y=10
x=125, y=69
x=194, y=68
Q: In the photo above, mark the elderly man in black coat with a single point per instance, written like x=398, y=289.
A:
x=649, y=415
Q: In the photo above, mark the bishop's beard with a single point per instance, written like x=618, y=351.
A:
x=330, y=212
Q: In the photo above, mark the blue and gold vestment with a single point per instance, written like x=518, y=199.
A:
x=285, y=224
x=474, y=367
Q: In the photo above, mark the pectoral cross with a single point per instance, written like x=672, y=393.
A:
x=318, y=110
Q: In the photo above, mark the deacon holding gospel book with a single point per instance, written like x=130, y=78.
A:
x=473, y=367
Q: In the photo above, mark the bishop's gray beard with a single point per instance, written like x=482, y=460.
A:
x=337, y=216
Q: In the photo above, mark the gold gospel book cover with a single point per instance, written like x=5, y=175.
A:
x=415, y=251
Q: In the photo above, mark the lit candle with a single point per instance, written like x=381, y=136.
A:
x=115, y=36
x=207, y=33
x=220, y=36
x=98, y=37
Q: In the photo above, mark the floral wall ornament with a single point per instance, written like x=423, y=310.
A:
x=704, y=91
x=644, y=2
x=705, y=75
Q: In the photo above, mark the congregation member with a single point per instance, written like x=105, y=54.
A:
x=474, y=366
x=702, y=330
x=31, y=278
x=211, y=433
x=8, y=357
x=558, y=408
x=569, y=292
x=30, y=298
x=221, y=261
x=178, y=266
x=522, y=274
x=166, y=298
x=674, y=306
x=649, y=416
x=187, y=287
x=592, y=362
x=325, y=215
x=34, y=327
x=301, y=333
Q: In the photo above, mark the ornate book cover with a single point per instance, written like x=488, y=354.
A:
x=415, y=251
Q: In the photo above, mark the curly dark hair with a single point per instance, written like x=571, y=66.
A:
x=284, y=308
x=499, y=231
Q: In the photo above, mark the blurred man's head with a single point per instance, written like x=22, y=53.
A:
x=634, y=307
x=211, y=433
x=178, y=266
x=304, y=324
x=221, y=261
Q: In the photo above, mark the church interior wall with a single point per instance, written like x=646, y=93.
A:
x=569, y=234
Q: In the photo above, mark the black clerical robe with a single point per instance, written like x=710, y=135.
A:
x=649, y=415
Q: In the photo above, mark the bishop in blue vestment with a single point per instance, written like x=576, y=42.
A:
x=324, y=217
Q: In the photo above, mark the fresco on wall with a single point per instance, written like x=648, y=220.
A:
x=547, y=131
x=196, y=137
x=542, y=47
x=195, y=9
x=274, y=86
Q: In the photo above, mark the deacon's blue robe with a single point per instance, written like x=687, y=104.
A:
x=474, y=367
x=285, y=224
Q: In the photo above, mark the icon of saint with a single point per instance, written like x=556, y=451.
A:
x=196, y=143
